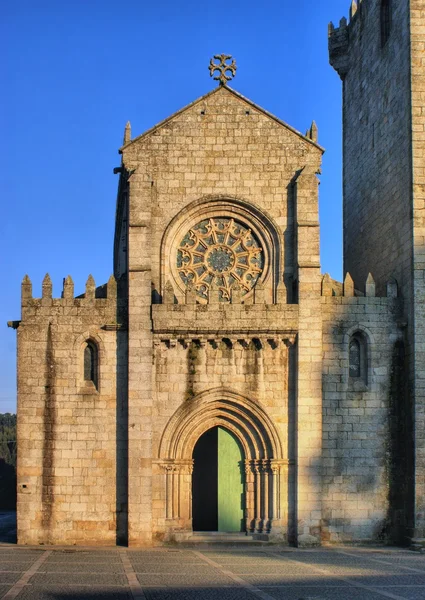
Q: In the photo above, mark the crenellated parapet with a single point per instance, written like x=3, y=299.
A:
x=102, y=299
x=339, y=38
x=332, y=287
x=214, y=295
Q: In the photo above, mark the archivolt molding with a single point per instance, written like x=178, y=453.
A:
x=90, y=334
x=221, y=407
x=358, y=328
x=226, y=207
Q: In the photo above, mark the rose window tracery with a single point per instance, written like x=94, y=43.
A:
x=221, y=250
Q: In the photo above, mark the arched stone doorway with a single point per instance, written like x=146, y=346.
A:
x=218, y=482
x=266, y=468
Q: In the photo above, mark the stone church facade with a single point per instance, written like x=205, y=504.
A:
x=218, y=357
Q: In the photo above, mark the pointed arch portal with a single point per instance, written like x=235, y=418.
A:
x=244, y=427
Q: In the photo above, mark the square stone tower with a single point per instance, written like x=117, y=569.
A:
x=380, y=58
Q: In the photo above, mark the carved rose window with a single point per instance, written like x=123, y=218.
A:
x=220, y=250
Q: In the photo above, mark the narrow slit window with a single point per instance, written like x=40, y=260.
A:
x=355, y=359
x=358, y=358
x=385, y=21
x=90, y=363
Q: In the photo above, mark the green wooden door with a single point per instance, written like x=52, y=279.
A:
x=231, y=483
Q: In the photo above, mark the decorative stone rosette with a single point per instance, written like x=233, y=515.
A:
x=222, y=251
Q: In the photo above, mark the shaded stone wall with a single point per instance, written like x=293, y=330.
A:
x=376, y=145
x=67, y=429
x=417, y=8
x=383, y=87
x=357, y=456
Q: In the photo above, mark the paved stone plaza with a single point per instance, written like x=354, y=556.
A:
x=206, y=572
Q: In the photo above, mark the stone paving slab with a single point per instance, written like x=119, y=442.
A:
x=185, y=581
x=6, y=567
x=10, y=577
x=410, y=593
x=55, y=567
x=84, y=559
x=81, y=578
x=180, y=559
x=313, y=593
x=24, y=559
x=161, y=574
x=204, y=594
x=389, y=580
x=201, y=569
x=274, y=580
x=62, y=592
x=13, y=551
x=4, y=589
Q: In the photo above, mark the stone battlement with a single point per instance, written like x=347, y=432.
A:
x=339, y=38
x=331, y=287
x=100, y=298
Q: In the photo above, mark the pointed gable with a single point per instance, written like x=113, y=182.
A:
x=214, y=98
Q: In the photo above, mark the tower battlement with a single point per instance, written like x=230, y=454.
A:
x=339, y=38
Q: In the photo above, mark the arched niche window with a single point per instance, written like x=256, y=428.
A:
x=385, y=21
x=91, y=363
x=357, y=359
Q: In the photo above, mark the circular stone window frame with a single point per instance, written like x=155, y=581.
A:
x=190, y=216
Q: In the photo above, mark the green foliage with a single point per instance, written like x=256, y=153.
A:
x=7, y=461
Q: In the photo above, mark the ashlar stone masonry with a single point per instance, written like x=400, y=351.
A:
x=218, y=316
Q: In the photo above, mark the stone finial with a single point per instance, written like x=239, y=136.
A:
x=111, y=288
x=392, y=288
x=190, y=294
x=259, y=293
x=348, y=286
x=90, y=288
x=313, y=132
x=331, y=28
x=168, y=296
x=46, y=287
x=370, y=287
x=281, y=293
x=127, y=133
x=343, y=22
x=68, y=288
x=26, y=288
x=327, y=285
x=353, y=8
x=214, y=293
x=236, y=293
x=223, y=67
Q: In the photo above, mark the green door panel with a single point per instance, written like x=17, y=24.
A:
x=231, y=480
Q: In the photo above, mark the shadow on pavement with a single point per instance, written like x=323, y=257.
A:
x=7, y=527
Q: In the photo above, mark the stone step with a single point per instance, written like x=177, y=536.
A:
x=212, y=538
x=418, y=544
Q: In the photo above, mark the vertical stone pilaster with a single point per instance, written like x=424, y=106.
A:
x=417, y=8
x=139, y=409
x=140, y=397
x=309, y=384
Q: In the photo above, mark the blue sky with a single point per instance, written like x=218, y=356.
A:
x=77, y=70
